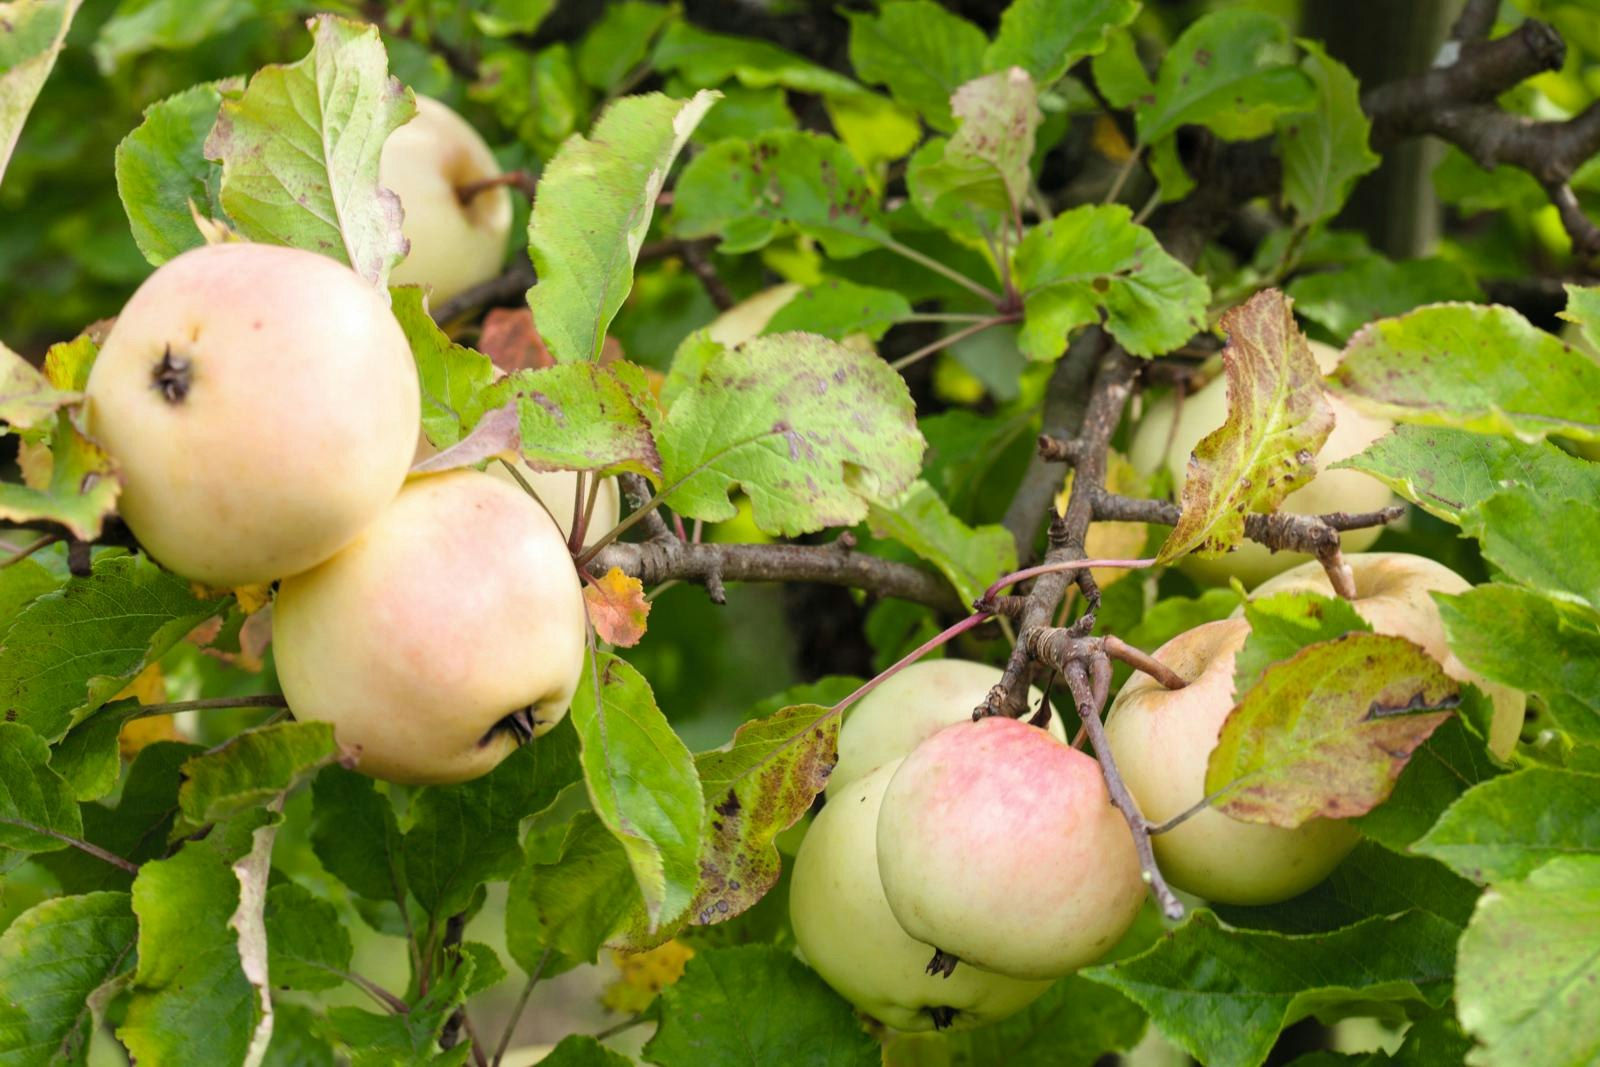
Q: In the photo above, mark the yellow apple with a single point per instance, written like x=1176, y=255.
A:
x=458, y=607
x=1156, y=445
x=454, y=245
x=1161, y=740
x=1392, y=595
x=998, y=844
x=911, y=707
x=848, y=935
x=261, y=404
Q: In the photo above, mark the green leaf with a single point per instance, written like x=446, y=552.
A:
x=1529, y=965
x=874, y=128
x=581, y=1050
x=1324, y=149
x=1503, y=829
x=411, y=1038
x=920, y=50
x=970, y=557
x=503, y=18
x=1119, y=72
x=1347, y=298
x=465, y=834
x=596, y=199
x=1534, y=643
x=1223, y=996
x=31, y=35
x=571, y=906
x=1551, y=545
x=836, y=309
x=58, y=959
x=1448, y=472
x=1074, y=1024
x=70, y=651
x=1372, y=881
x=162, y=170
x=1451, y=761
x=1277, y=419
x=1583, y=308
x=704, y=60
x=307, y=943
x=1046, y=37
x=746, y=192
x=297, y=1038
x=487, y=970
x=747, y=113
x=27, y=397
x=142, y=26
x=642, y=781
x=757, y=786
x=811, y=431
x=584, y=416
x=1446, y=365
x=193, y=952
x=355, y=835
x=251, y=768
x=759, y=1006
x=1282, y=625
x=1229, y=72
x=299, y=151
x=620, y=41
x=89, y=757
x=977, y=182
x=1326, y=732
x=32, y=793
x=136, y=829
x=1095, y=261
x=454, y=378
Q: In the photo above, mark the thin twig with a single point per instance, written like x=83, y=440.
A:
x=952, y=339
x=626, y=1024
x=977, y=289
x=264, y=700
x=30, y=548
x=521, y=1005
x=78, y=843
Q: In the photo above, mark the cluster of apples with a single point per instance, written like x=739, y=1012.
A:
x=263, y=408
x=996, y=842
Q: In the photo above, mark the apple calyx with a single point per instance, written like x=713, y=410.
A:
x=172, y=376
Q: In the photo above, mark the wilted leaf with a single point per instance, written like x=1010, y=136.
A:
x=596, y=199
x=1453, y=365
x=299, y=151
x=809, y=429
x=512, y=342
x=1277, y=420
x=978, y=181
x=1326, y=732
x=1529, y=965
x=584, y=416
x=617, y=608
x=746, y=192
x=642, y=781
x=756, y=788
x=1095, y=261
x=497, y=434
x=641, y=976
x=55, y=960
x=31, y=35
x=26, y=398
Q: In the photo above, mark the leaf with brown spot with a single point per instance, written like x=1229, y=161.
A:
x=584, y=416
x=26, y=396
x=1278, y=419
x=498, y=433
x=756, y=788
x=510, y=339
x=1326, y=732
x=617, y=608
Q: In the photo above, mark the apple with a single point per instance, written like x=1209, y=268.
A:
x=998, y=844
x=451, y=629
x=1156, y=445
x=556, y=490
x=426, y=162
x=908, y=708
x=261, y=404
x=1162, y=738
x=848, y=935
x=1392, y=594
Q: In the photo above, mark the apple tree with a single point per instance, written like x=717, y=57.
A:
x=903, y=533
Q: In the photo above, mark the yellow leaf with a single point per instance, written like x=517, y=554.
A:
x=617, y=608
x=643, y=975
x=148, y=687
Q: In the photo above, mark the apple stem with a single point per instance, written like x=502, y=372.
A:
x=1089, y=697
x=1339, y=573
x=1119, y=649
x=520, y=180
